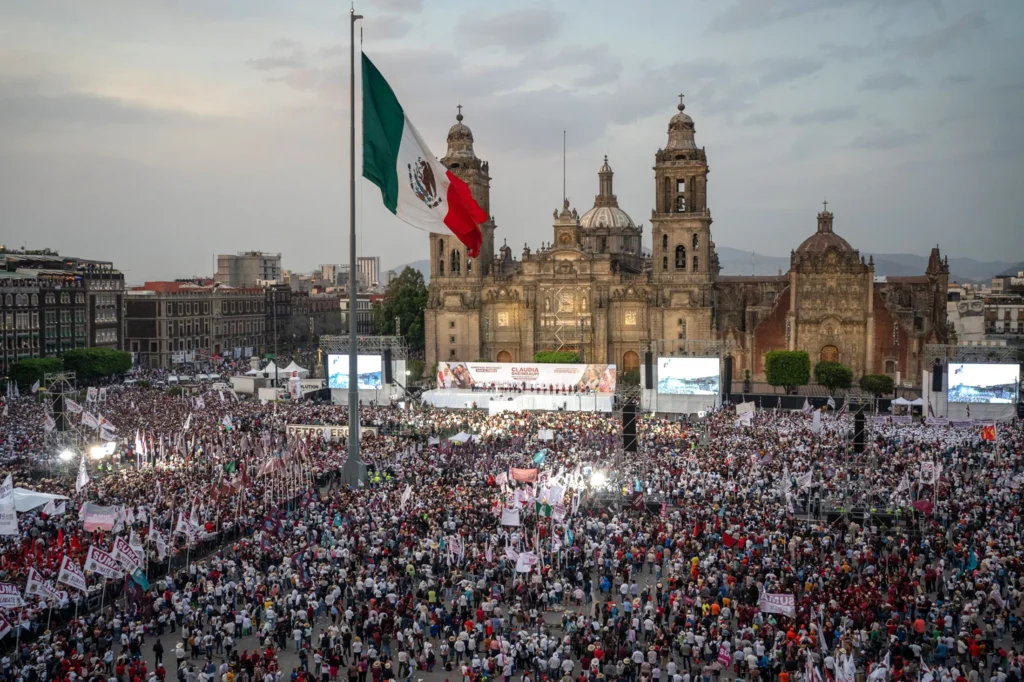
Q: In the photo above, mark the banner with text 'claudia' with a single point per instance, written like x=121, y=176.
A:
x=599, y=378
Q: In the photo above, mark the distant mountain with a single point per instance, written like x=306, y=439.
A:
x=737, y=262
x=422, y=265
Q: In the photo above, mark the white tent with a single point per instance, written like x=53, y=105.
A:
x=462, y=437
x=270, y=369
x=901, y=401
x=25, y=500
x=303, y=373
x=917, y=401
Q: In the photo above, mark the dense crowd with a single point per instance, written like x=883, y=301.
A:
x=536, y=550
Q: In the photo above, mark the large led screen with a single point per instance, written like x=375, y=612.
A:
x=983, y=383
x=368, y=367
x=688, y=376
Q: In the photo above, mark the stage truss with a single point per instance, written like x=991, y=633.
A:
x=689, y=348
x=59, y=388
x=366, y=345
x=981, y=354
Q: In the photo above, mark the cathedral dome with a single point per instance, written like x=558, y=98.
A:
x=606, y=216
x=606, y=211
x=460, y=139
x=824, y=238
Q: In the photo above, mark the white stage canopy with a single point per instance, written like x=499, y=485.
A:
x=303, y=373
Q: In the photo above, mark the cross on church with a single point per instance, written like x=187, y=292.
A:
x=681, y=100
x=825, y=204
x=459, y=107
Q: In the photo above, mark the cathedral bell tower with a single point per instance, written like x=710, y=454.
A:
x=683, y=256
x=462, y=161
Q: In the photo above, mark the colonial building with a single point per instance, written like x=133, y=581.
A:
x=593, y=290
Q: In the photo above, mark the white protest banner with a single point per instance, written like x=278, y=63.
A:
x=90, y=420
x=777, y=603
x=73, y=407
x=558, y=512
x=511, y=554
x=928, y=472
x=39, y=587
x=5, y=627
x=91, y=395
x=7, y=487
x=509, y=517
x=8, y=517
x=599, y=378
x=10, y=598
x=526, y=561
x=406, y=494
x=100, y=562
x=501, y=479
x=71, y=575
x=804, y=480
x=745, y=408
x=48, y=423
x=556, y=493
x=125, y=555
x=94, y=517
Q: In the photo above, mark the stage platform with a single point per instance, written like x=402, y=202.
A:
x=497, y=402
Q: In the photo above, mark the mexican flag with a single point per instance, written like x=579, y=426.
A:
x=413, y=183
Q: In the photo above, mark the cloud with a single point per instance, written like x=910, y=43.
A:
x=958, y=79
x=827, y=115
x=886, y=139
x=888, y=81
x=23, y=102
x=284, y=44
x=762, y=119
x=516, y=29
x=398, y=6
x=294, y=60
x=785, y=69
x=929, y=44
x=386, y=27
x=747, y=14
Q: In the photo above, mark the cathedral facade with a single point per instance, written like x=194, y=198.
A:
x=594, y=290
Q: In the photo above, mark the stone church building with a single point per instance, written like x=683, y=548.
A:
x=593, y=290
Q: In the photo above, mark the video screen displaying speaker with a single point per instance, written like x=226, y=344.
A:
x=629, y=427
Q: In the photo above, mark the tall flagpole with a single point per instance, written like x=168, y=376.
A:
x=353, y=469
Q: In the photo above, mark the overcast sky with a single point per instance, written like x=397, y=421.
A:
x=157, y=133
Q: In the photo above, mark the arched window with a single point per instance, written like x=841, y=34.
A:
x=696, y=242
x=456, y=262
x=680, y=257
x=664, y=262
x=440, y=258
x=630, y=361
x=890, y=366
x=469, y=266
x=829, y=354
x=504, y=356
x=10, y=300
x=695, y=264
x=35, y=300
x=664, y=241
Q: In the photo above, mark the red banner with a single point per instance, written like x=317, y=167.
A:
x=524, y=475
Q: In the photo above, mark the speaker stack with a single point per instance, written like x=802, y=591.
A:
x=727, y=377
x=858, y=430
x=629, y=427
x=648, y=370
x=937, y=376
x=389, y=379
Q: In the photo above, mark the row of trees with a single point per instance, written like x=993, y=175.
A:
x=88, y=364
x=790, y=369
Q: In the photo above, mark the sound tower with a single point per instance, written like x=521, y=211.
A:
x=727, y=376
x=629, y=427
x=858, y=430
x=649, y=369
x=937, y=376
x=58, y=414
x=388, y=378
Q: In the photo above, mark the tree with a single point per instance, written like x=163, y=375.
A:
x=833, y=375
x=28, y=372
x=630, y=378
x=560, y=357
x=415, y=369
x=877, y=384
x=90, y=364
x=787, y=368
x=405, y=299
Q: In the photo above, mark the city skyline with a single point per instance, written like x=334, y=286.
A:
x=160, y=136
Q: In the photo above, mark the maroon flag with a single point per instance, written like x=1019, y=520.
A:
x=728, y=540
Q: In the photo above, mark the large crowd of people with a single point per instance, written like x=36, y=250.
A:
x=536, y=551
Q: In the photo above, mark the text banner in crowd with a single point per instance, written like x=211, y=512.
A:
x=94, y=517
x=599, y=378
x=327, y=432
x=10, y=598
x=777, y=603
x=688, y=376
x=100, y=562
